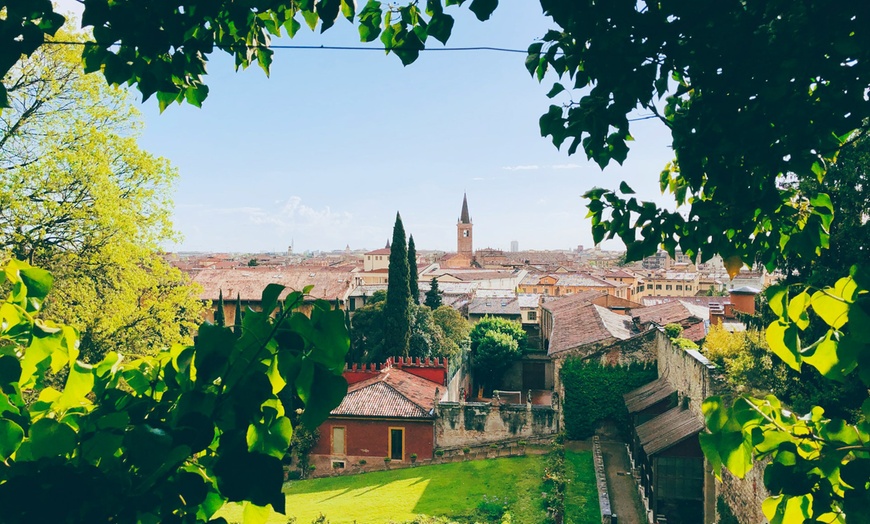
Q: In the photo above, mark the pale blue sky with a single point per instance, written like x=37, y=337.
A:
x=335, y=142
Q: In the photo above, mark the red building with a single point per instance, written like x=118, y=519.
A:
x=387, y=412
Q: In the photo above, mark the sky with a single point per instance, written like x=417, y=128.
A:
x=324, y=152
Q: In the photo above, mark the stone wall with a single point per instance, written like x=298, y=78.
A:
x=601, y=481
x=461, y=424
x=696, y=378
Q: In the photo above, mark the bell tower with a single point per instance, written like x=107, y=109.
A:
x=463, y=231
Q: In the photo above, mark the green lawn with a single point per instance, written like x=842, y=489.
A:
x=452, y=490
x=581, y=498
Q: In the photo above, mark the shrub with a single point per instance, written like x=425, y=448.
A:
x=439, y=452
x=684, y=343
x=363, y=462
x=673, y=331
x=491, y=509
x=413, y=457
x=466, y=450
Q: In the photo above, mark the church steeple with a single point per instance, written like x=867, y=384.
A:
x=463, y=217
x=463, y=231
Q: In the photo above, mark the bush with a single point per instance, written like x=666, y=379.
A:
x=684, y=343
x=363, y=462
x=491, y=509
x=673, y=331
x=439, y=452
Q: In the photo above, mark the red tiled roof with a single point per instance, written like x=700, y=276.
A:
x=670, y=313
x=668, y=429
x=393, y=393
x=329, y=283
x=381, y=251
x=581, y=322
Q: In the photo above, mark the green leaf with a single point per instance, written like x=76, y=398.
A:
x=270, y=297
x=11, y=436
x=797, y=310
x=783, y=341
x=483, y=9
x=440, y=27
x=327, y=392
x=555, y=90
x=777, y=299
x=831, y=307
x=348, y=9
x=50, y=438
x=625, y=189
x=254, y=514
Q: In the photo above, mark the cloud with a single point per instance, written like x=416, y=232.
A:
x=527, y=167
x=566, y=166
x=287, y=215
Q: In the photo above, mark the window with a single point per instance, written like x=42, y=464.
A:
x=658, y=286
x=337, y=464
x=338, y=443
x=397, y=444
x=679, y=287
x=351, y=304
x=668, y=287
x=688, y=288
x=465, y=233
x=533, y=315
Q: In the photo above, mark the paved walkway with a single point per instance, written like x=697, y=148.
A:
x=621, y=486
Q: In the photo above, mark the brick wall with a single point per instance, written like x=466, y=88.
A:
x=369, y=440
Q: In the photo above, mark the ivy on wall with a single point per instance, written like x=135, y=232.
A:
x=593, y=393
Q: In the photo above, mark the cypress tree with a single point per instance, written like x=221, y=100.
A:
x=397, y=309
x=237, y=322
x=412, y=271
x=219, y=318
x=433, y=296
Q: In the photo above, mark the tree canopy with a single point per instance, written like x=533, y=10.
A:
x=398, y=306
x=79, y=197
x=759, y=97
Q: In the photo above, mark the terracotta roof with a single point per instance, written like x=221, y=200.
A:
x=329, y=283
x=670, y=313
x=381, y=251
x=393, y=393
x=494, y=306
x=645, y=396
x=668, y=429
x=582, y=322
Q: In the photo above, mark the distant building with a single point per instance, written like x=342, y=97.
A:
x=515, y=246
x=464, y=256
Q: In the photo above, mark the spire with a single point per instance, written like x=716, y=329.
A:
x=464, y=218
x=388, y=244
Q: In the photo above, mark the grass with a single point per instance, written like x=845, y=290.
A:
x=450, y=490
x=581, y=498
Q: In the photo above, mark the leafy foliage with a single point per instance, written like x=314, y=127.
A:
x=818, y=465
x=433, y=296
x=165, y=438
x=413, y=286
x=766, y=122
x=496, y=343
x=397, y=310
x=593, y=393
x=79, y=197
x=455, y=328
x=673, y=331
x=163, y=50
x=428, y=333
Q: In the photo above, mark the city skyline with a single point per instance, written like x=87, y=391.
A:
x=326, y=150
